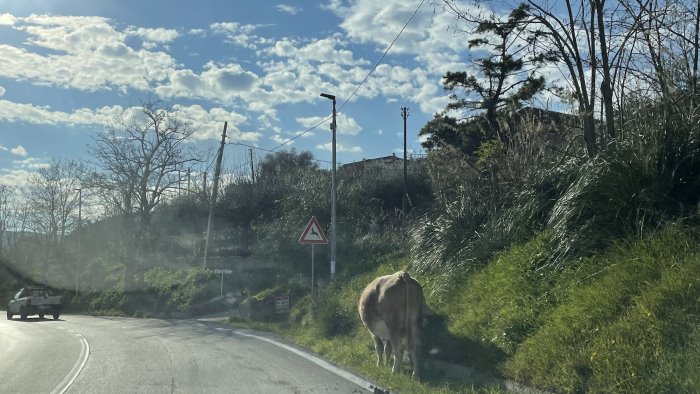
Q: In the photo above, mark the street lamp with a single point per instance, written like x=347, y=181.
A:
x=333, y=190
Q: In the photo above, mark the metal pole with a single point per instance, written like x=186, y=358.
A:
x=221, y=291
x=334, y=191
x=404, y=115
x=312, y=272
x=334, y=196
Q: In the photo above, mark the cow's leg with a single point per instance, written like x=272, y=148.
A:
x=416, y=347
x=398, y=353
x=388, y=350
x=379, y=347
x=415, y=358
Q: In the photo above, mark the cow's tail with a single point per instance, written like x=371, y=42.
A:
x=405, y=277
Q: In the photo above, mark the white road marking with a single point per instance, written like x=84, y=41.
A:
x=316, y=360
x=75, y=371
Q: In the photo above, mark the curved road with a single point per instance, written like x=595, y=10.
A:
x=83, y=354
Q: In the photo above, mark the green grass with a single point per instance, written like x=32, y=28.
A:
x=356, y=352
x=629, y=327
x=315, y=326
x=627, y=320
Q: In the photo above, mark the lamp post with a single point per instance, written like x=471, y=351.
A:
x=333, y=190
x=80, y=225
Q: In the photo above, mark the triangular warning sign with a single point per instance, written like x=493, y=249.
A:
x=313, y=233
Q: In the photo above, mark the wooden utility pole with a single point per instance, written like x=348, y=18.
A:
x=80, y=235
x=215, y=190
x=189, y=174
x=252, y=166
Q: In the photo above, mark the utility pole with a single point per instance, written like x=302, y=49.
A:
x=206, y=193
x=404, y=115
x=179, y=182
x=80, y=232
x=333, y=191
x=215, y=190
x=252, y=166
x=189, y=173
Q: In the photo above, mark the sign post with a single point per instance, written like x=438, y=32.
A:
x=222, y=272
x=313, y=235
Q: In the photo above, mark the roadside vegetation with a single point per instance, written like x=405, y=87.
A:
x=559, y=249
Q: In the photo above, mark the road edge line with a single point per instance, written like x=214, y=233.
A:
x=314, y=359
x=77, y=367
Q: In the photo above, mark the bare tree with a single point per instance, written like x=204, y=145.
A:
x=6, y=193
x=54, y=202
x=138, y=159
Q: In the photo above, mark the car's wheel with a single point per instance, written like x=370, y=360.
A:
x=22, y=313
x=41, y=316
x=56, y=315
x=9, y=314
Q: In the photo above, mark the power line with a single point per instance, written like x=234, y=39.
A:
x=361, y=83
x=269, y=150
x=382, y=57
x=302, y=133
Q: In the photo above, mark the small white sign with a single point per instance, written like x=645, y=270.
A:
x=282, y=304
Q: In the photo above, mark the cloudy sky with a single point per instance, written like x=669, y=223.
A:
x=68, y=67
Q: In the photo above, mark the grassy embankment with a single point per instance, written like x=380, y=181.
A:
x=626, y=320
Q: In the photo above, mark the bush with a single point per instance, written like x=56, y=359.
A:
x=613, y=197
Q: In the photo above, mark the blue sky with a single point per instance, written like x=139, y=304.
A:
x=67, y=68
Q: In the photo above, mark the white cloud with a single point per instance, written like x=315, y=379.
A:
x=7, y=20
x=2, y=91
x=91, y=54
x=220, y=83
x=278, y=139
x=325, y=50
x=289, y=9
x=339, y=148
x=197, y=32
x=346, y=124
x=19, y=151
x=88, y=53
x=32, y=163
x=158, y=35
x=206, y=122
x=240, y=35
x=14, y=177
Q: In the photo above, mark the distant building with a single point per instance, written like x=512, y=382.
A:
x=386, y=162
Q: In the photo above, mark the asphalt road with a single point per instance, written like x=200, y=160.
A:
x=83, y=354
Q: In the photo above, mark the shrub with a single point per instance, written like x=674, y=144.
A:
x=612, y=198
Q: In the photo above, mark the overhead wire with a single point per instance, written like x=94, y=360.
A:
x=361, y=83
x=268, y=150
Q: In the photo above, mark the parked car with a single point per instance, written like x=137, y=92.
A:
x=34, y=300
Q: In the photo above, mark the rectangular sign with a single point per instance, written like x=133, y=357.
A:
x=282, y=304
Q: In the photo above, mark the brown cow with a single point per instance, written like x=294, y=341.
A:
x=392, y=308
